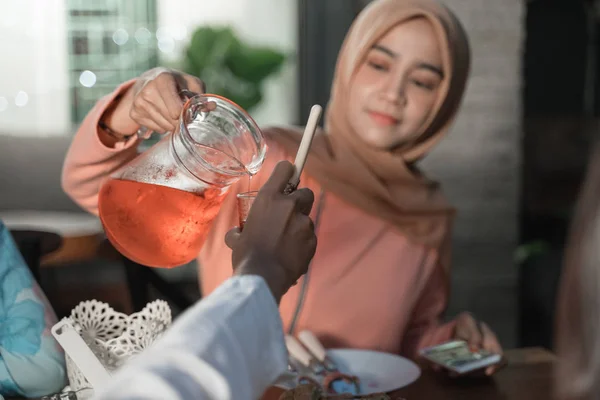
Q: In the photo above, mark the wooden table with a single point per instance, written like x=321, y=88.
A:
x=527, y=376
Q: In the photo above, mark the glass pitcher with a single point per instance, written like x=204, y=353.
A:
x=157, y=210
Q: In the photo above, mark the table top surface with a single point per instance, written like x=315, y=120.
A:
x=528, y=375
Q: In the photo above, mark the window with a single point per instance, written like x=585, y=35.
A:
x=109, y=43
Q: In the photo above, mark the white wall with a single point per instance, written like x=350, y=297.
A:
x=34, y=60
x=266, y=22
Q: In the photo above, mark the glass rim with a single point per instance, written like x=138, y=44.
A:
x=237, y=112
x=247, y=195
x=198, y=97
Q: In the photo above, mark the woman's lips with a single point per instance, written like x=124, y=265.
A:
x=383, y=119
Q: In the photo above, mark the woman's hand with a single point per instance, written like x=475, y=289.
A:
x=154, y=101
x=478, y=335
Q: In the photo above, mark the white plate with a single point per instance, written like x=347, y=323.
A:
x=377, y=371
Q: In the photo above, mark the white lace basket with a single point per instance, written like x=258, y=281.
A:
x=115, y=337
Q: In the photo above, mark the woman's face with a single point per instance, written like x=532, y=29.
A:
x=396, y=86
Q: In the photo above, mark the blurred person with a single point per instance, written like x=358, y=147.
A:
x=578, y=315
x=380, y=278
x=230, y=344
x=32, y=364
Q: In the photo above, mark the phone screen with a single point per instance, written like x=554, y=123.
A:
x=457, y=356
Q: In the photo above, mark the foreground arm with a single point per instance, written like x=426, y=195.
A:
x=229, y=345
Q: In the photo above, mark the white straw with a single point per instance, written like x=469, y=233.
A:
x=307, y=138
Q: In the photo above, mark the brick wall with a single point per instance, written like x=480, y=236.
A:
x=479, y=165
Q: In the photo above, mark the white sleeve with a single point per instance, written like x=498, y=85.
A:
x=228, y=346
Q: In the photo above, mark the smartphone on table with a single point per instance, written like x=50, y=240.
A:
x=457, y=356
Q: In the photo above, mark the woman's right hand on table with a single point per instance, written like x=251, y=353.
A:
x=154, y=102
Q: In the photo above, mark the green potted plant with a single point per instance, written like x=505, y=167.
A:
x=229, y=66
